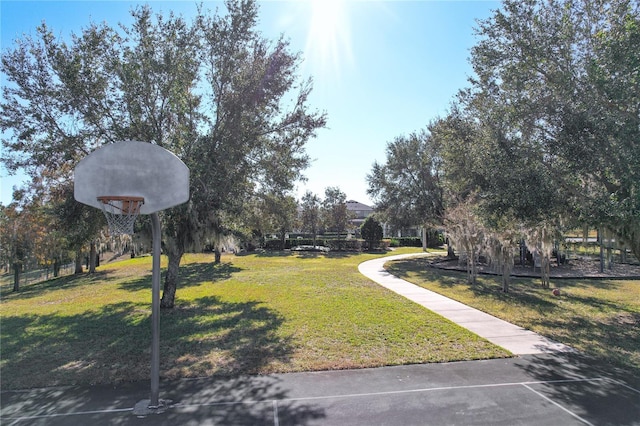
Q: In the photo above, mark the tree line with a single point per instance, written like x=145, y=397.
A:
x=29, y=235
x=311, y=214
x=545, y=139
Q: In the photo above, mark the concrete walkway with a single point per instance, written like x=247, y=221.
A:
x=517, y=340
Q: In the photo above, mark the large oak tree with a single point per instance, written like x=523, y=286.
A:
x=556, y=90
x=213, y=91
x=407, y=188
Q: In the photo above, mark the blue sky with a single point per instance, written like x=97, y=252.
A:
x=381, y=69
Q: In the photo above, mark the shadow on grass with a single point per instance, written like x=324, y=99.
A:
x=616, y=338
x=270, y=253
x=111, y=345
x=309, y=254
x=329, y=255
x=612, y=335
x=421, y=267
x=244, y=334
x=522, y=290
x=221, y=340
x=65, y=282
x=192, y=274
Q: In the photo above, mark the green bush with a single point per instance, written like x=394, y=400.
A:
x=344, y=245
x=334, y=235
x=333, y=243
x=435, y=239
x=410, y=242
x=276, y=244
x=371, y=231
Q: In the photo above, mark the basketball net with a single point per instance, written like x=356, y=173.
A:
x=121, y=212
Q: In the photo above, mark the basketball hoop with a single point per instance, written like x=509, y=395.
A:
x=121, y=212
x=160, y=180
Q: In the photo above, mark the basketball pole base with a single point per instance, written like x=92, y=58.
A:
x=143, y=408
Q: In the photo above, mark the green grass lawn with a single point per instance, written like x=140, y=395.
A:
x=254, y=314
x=598, y=317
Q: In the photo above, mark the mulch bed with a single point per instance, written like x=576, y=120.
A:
x=574, y=268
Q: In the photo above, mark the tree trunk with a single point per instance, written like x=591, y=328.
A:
x=92, y=257
x=171, y=279
x=217, y=256
x=630, y=234
x=634, y=246
x=16, y=276
x=472, y=269
x=505, y=279
x=601, y=257
x=78, y=262
x=545, y=270
x=450, y=252
x=507, y=267
x=424, y=238
x=56, y=268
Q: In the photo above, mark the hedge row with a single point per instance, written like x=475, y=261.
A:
x=405, y=242
x=332, y=243
x=351, y=244
x=434, y=241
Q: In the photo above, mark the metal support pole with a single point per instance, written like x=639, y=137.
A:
x=155, y=313
x=601, y=241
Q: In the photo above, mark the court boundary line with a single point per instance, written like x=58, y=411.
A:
x=15, y=420
x=398, y=392
x=558, y=405
x=275, y=402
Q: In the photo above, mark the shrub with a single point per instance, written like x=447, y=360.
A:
x=371, y=231
x=276, y=244
x=344, y=245
x=332, y=243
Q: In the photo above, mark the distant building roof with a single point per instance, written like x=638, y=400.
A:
x=355, y=205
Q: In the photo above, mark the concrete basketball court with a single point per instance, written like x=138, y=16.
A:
x=545, y=384
x=564, y=389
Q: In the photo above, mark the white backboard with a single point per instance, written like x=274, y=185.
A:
x=132, y=168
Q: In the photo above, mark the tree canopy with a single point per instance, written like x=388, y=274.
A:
x=556, y=96
x=371, y=231
x=545, y=138
x=407, y=188
x=310, y=214
x=334, y=213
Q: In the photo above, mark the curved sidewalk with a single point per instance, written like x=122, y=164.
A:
x=517, y=340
